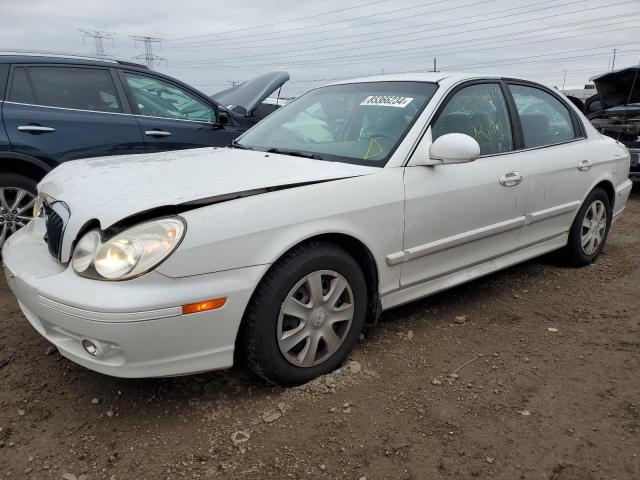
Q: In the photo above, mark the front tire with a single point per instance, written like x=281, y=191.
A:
x=305, y=317
x=589, y=230
x=17, y=196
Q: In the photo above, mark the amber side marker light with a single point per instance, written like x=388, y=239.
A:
x=204, y=306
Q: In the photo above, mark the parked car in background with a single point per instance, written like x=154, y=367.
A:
x=356, y=198
x=57, y=108
x=615, y=111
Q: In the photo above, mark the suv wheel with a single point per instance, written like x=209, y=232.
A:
x=17, y=196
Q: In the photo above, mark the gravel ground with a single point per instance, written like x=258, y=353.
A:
x=530, y=373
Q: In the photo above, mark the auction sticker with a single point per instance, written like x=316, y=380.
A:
x=387, y=101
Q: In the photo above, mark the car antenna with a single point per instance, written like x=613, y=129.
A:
x=626, y=109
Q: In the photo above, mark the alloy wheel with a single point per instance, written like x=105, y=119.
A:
x=315, y=318
x=594, y=226
x=15, y=210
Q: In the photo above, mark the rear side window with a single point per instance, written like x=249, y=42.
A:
x=479, y=111
x=66, y=87
x=545, y=119
x=21, y=88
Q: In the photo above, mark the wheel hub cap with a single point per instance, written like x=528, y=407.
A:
x=594, y=227
x=315, y=318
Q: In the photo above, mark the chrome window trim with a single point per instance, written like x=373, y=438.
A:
x=201, y=122
x=67, y=108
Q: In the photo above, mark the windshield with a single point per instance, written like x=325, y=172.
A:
x=361, y=123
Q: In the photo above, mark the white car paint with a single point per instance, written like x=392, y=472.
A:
x=426, y=227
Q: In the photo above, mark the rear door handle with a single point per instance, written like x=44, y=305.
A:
x=157, y=133
x=510, y=179
x=35, y=129
x=584, y=165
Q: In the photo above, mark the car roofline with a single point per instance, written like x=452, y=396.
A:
x=67, y=56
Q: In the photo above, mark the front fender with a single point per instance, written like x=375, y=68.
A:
x=258, y=230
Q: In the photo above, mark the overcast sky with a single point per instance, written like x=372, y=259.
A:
x=209, y=44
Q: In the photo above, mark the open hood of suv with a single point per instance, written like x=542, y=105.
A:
x=245, y=97
x=111, y=189
x=617, y=87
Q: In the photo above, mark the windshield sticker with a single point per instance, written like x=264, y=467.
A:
x=387, y=101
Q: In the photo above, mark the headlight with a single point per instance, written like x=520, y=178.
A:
x=129, y=254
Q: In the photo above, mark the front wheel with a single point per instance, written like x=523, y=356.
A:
x=589, y=230
x=17, y=196
x=306, y=315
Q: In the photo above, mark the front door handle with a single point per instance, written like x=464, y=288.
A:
x=157, y=133
x=35, y=129
x=584, y=165
x=510, y=179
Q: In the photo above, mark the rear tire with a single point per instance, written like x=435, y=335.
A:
x=313, y=333
x=17, y=194
x=589, y=230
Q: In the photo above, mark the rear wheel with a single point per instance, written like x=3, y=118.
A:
x=306, y=315
x=589, y=230
x=17, y=196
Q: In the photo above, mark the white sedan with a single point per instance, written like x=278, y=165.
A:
x=353, y=199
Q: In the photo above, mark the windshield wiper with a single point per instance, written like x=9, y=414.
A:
x=235, y=144
x=294, y=153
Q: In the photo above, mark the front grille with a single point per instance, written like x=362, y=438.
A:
x=55, y=231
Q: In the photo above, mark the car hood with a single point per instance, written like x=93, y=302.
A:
x=245, y=97
x=110, y=189
x=615, y=88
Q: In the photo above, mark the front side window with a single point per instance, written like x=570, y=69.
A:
x=479, y=111
x=545, y=119
x=65, y=87
x=360, y=123
x=157, y=98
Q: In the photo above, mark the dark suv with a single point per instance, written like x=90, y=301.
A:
x=56, y=108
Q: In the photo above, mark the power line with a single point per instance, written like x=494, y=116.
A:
x=306, y=32
x=217, y=34
x=450, y=46
x=98, y=37
x=309, y=51
x=148, y=56
x=307, y=27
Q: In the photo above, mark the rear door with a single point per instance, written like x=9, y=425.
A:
x=556, y=159
x=66, y=112
x=172, y=117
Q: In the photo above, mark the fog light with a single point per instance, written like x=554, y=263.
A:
x=92, y=347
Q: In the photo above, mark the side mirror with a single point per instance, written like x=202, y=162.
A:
x=454, y=148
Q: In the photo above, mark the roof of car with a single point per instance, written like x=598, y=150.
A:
x=435, y=77
x=62, y=58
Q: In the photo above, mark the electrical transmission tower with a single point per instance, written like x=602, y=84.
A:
x=98, y=38
x=149, y=58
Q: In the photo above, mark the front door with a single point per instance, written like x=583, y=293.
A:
x=173, y=118
x=460, y=215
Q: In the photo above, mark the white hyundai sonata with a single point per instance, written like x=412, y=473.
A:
x=355, y=198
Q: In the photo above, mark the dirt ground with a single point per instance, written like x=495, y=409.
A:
x=540, y=381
